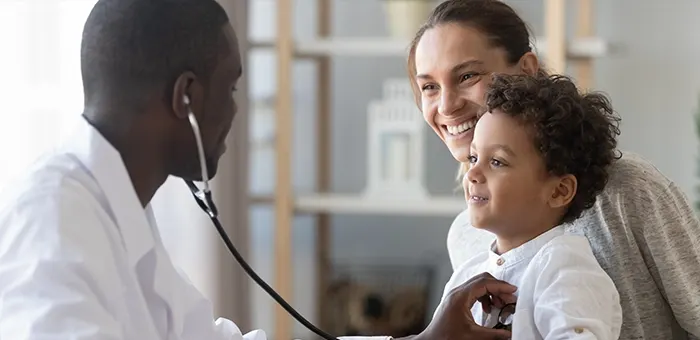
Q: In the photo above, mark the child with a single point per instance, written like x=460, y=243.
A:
x=538, y=159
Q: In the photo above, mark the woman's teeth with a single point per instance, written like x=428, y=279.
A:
x=457, y=129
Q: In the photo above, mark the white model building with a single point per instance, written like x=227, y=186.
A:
x=395, y=143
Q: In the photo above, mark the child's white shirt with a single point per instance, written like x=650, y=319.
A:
x=563, y=293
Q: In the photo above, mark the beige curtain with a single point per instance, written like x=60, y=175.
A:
x=233, y=188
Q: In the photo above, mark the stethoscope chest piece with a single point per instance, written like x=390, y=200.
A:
x=505, y=317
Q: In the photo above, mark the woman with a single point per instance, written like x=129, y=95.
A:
x=649, y=243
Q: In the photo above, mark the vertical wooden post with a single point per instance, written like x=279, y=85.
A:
x=323, y=160
x=283, y=188
x=584, y=29
x=555, y=33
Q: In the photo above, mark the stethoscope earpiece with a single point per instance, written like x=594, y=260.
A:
x=200, y=146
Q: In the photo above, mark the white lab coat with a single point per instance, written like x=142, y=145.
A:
x=81, y=259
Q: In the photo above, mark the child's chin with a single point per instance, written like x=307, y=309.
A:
x=484, y=228
x=483, y=225
x=478, y=225
x=480, y=222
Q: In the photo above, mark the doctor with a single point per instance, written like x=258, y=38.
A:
x=80, y=254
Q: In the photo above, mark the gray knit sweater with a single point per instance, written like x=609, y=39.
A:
x=646, y=236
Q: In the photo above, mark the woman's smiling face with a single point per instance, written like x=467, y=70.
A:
x=454, y=64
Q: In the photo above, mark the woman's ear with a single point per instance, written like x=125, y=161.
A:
x=563, y=192
x=529, y=64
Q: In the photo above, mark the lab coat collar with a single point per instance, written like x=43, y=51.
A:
x=106, y=166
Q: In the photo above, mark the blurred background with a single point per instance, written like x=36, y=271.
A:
x=346, y=260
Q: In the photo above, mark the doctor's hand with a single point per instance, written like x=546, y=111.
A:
x=454, y=321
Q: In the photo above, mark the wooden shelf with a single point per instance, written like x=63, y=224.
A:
x=585, y=47
x=369, y=47
x=448, y=206
x=355, y=204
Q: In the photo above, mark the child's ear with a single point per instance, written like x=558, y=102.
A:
x=563, y=192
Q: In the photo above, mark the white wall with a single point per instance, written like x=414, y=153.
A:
x=653, y=80
x=42, y=92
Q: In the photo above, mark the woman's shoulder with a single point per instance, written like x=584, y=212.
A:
x=638, y=196
x=632, y=171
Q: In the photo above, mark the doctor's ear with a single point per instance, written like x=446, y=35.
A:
x=187, y=95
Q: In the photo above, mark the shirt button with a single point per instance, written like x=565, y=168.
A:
x=578, y=330
x=500, y=261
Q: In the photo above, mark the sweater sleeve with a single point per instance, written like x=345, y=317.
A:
x=672, y=251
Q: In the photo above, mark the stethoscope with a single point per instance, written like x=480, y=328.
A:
x=206, y=202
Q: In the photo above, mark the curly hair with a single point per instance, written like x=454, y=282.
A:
x=575, y=133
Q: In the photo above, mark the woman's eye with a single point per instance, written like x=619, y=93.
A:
x=469, y=76
x=428, y=87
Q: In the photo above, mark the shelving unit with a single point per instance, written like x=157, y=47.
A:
x=350, y=204
x=579, y=48
x=580, y=51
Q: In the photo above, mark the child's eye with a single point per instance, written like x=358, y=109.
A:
x=472, y=159
x=496, y=163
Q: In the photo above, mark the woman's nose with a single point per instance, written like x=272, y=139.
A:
x=450, y=103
